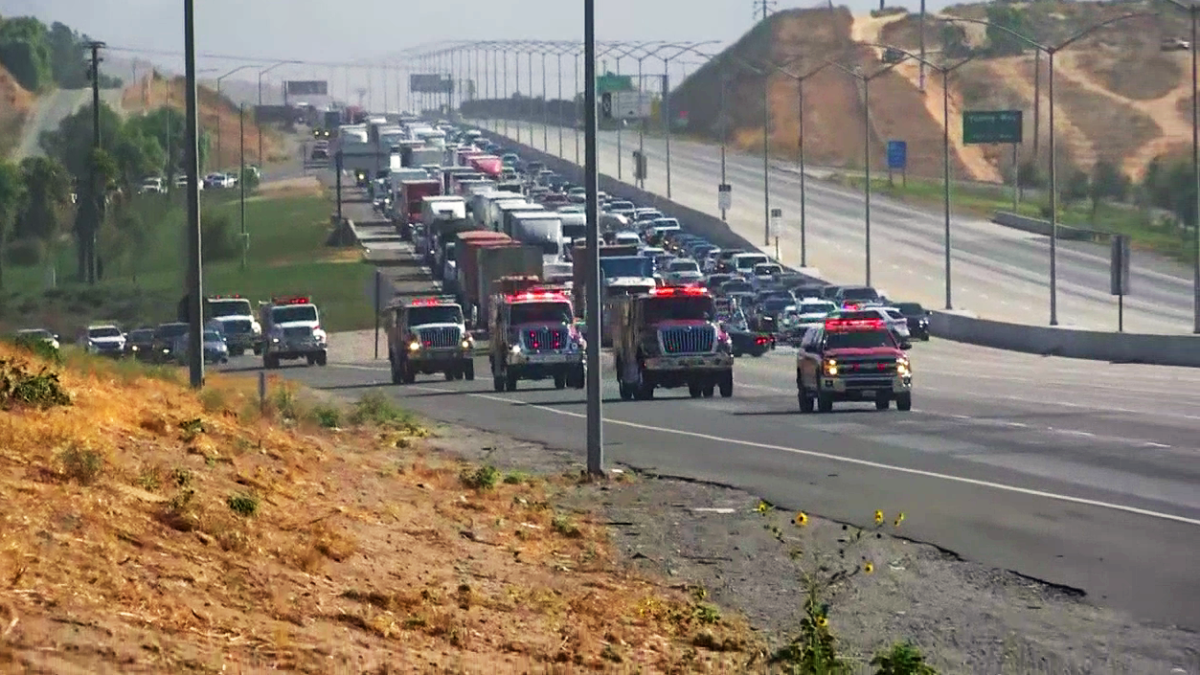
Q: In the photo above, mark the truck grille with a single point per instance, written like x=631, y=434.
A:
x=545, y=339
x=440, y=337
x=871, y=367
x=687, y=340
x=295, y=332
x=236, y=327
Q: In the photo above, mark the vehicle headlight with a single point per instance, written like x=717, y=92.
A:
x=515, y=349
x=902, y=367
x=414, y=346
x=831, y=367
x=133, y=347
x=256, y=328
x=466, y=343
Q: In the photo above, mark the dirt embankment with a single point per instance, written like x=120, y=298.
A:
x=15, y=106
x=150, y=529
x=154, y=91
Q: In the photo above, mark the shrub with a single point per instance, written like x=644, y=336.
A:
x=376, y=408
x=328, y=417
x=19, y=387
x=81, y=465
x=243, y=504
x=483, y=478
x=219, y=241
x=39, y=348
x=26, y=252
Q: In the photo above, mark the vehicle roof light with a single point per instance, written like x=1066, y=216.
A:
x=535, y=294
x=665, y=291
x=424, y=302
x=854, y=324
x=291, y=300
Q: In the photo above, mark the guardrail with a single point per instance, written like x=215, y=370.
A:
x=1166, y=350
x=1042, y=227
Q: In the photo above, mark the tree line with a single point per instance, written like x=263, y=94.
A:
x=48, y=202
x=40, y=57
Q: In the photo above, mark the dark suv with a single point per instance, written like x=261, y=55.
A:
x=165, y=345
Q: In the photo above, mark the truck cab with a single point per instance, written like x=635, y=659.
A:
x=235, y=316
x=533, y=337
x=293, y=331
x=852, y=359
x=669, y=337
x=429, y=335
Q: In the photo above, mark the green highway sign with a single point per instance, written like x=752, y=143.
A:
x=609, y=82
x=992, y=126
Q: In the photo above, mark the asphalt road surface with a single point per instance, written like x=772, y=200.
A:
x=997, y=272
x=1075, y=472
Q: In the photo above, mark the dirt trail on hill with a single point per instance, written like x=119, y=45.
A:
x=1009, y=70
x=1164, y=111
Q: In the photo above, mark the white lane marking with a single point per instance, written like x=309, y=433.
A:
x=1002, y=487
x=1151, y=444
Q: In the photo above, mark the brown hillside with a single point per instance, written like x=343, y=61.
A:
x=15, y=104
x=154, y=91
x=1117, y=94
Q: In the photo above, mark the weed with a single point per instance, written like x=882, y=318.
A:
x=515, y=478
x=181, y=477
x=706, y=613
x=243, y=504
x=213, y=400
x=902, y=659
x=182, y=511
x=81, y=465
x=20, y=387
x=415, y=621
x=563, y=525
x=377, y=409
x=39, y=348
x=191, y=429
x=483, y=478
x=286, y=404
x=149, y=481
x=328, y=417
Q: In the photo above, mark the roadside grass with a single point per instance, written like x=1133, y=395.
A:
x=981, y=201
x=243, y=507
x=286, y=255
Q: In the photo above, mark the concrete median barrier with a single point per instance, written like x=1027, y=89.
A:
x=1163, y=350
x=1042, y=227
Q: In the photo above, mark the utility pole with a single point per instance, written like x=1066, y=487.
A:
x=195, y=281
x=762, y=9
x=591, y=181
x=91, y=221
x=242, y=180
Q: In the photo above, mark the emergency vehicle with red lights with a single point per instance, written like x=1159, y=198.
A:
x=534, y=337
x=670, y=337
x=852, y=359
x=292, y=325
x=429, y=335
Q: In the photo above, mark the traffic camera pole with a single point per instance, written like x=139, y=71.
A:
x=195, y=296
x=595, y=438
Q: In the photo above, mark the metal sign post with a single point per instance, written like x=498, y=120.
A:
x=897, y=160
x=776, y=223
x=1119, y=275
x=378, y=309
x=724, y=198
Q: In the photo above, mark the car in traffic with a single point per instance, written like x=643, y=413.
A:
x=917, y=317
x=39, y=335
x=139, y=344
x=166, y=341
x=103, y=340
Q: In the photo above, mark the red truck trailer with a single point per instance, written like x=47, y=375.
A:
x=412, y=194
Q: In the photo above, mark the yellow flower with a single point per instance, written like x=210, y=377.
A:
x=869, y=568
x=822, y=621
x=878, y=517
x=762, y=507
x=801, y=519
x=899, y=519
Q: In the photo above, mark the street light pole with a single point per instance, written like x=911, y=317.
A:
x=724, y=132
x=800, y=156
x=595, y=431
x=1050, y=51
x=264, y=71
x=195, y=292
x=219, y=124
x=1192, y=9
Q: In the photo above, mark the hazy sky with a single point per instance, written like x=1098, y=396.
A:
x=371, y=30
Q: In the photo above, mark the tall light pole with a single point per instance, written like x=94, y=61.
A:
x=591, y=179
x=945, y=71
x=681, y=48
x=264, y=71
x=219, y=125
x=194, y=298
x=1193, y=9
x=858, y=74
x=1050, y=51
x=800, y=79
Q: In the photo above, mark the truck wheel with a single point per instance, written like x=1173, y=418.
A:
x=396, y=376
x=643, y=390
x=410, y=374
x=322, y=357
x=824, y=403
x=625, y=390
x=806, y=401
x=497, y=383
x=904, y=402
x=449, y=374
x=726, y=385
x=510, y=381
x=883, y=402
x=708, y=390
x=560, y=381
x=694, y=390
x=468, y=370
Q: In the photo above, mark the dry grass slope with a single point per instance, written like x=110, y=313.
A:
x=149, y=529
x=154, y=91
x=15, y=105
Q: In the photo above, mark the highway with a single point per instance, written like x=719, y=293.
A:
x=997, y=272
x=1080, y=474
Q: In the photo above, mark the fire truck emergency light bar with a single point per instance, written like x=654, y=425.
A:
x=291, y=300
x=665, y=291
x=853, y=324
x=536, y=295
